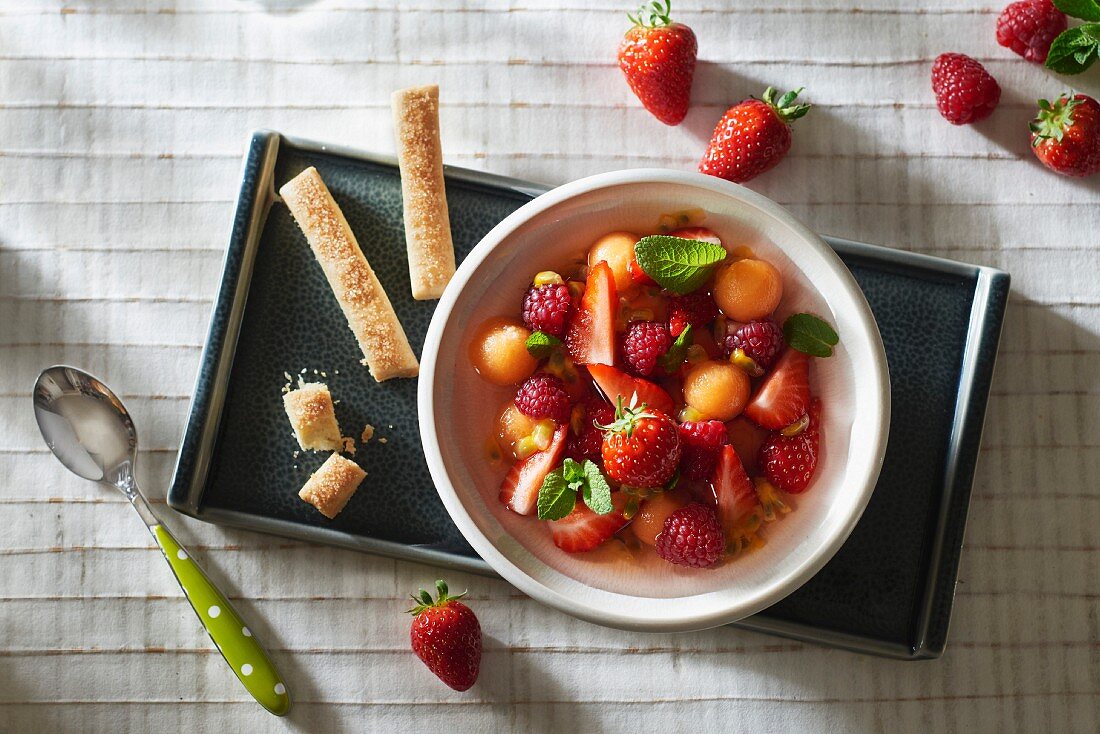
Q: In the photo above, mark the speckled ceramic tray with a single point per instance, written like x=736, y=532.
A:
x=888, y=591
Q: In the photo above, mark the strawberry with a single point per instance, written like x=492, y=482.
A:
x=616, y=385
x=582, y=530
x=1066, y=135
x=733, y=490
x=657, y=57
x=641, y=448
x=789, y=461
x=591, y=335
x=446, y=635
x=752, y=137
x=520, y=489
x=697, y=233
x=638, y=275
x=785, y=393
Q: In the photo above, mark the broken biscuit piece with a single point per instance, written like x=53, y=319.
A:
x=332, y=485
x=423, y=193
x=312, y=416
x=357, y=289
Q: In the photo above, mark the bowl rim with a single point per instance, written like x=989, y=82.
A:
x=878, y=418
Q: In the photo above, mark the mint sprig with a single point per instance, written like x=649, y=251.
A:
x=541, y=345
x=809, y=334
x=1083, y=9
x=558, y=494
x=1077, y=48
x=677, y=264
x=671, y=360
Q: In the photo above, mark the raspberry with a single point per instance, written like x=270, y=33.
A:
x=761, y=341
x=1029, y=27
x=547, y=308
x=697, y=309
x=587, y=444
x=701, y=442
x=645, y=342
x=543, y=396
x=965, y=92
x=692, y=536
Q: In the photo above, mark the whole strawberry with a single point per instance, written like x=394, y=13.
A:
x=641, y=447
x=657, y=57
x=752, y=137
x=1066, y=135
x=446, y=635
x=1028, y=27
x=965, y=92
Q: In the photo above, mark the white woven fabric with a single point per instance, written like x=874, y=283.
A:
x=122, y=124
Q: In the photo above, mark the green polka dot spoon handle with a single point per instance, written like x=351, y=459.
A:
x=90, y=432
x=233, y=638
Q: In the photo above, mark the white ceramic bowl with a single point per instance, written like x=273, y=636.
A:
x=458, y=409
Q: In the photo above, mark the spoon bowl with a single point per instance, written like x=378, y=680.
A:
x=85, y=425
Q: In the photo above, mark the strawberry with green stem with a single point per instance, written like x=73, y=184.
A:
x=446, y=635
x=753, y=136
x=641, y=448
x=657, y=57
x=1066, y=135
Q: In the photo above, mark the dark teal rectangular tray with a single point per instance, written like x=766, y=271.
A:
x=889, y=589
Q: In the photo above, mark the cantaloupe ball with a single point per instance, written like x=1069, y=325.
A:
x=498, y=352
x=616, y=249
x=650, y=520
x=717, y=389
x=747, y=290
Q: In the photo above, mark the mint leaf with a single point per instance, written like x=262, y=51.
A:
x=597, y=492
x=671, y=360
x=541, y=345
x=1083, y=9
x=809, y=334
x=677, y=264
x=556, y=497
x=1075, y=49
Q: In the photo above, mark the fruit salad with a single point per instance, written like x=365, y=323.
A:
x=660, y=396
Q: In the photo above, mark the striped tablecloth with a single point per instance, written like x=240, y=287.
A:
x=122, y=124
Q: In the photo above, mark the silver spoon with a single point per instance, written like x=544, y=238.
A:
x=89, y=431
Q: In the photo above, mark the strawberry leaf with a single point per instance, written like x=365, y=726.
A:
x=1075, y=50
x=671, y=360
x=678, y=264
x=597, y=492
x=1083, y=9
x=541, y=345
x=556, y=497
x=810, y=335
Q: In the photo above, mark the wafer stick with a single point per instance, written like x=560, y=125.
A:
x=420, y=158
x=364, y=302
x=332, y=485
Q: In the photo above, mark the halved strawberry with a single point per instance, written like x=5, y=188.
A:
x=615, y=384
x=637, y=274
x=733, y=490
x=591, y=335
x=697, y=233
x=520, y=489
x=785, y=394
x=582, y=530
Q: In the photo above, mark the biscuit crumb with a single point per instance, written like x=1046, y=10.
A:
x=349, y=445
x=383, y=440
x=368, y=433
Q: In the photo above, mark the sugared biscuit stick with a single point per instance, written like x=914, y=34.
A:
x=332, y=485
x=420, y=158
x=313, y=417
x=362, y=298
